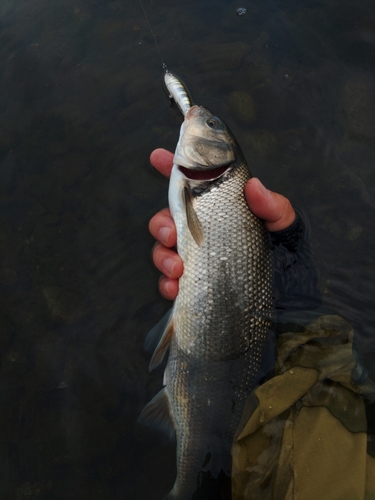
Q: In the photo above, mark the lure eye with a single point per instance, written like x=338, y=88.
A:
x=213, y=123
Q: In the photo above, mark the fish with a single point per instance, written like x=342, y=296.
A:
x=215, y=333
x=177, y=92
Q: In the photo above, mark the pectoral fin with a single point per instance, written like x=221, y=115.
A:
x=192, y=219
x=156, y=332
x=157, y=414
x=160, y=337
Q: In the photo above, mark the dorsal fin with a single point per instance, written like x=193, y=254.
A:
x=157, y=414
x=159, y=338
x=192, y=219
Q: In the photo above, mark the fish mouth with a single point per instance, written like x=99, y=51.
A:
x=194, y=111
x=204, y=175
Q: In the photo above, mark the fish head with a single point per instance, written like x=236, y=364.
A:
x=206, y=148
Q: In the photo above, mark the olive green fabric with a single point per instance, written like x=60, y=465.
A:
x=303, y=434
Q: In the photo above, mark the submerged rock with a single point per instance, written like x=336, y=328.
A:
x=354, y=233
x=261, y=142
x=243, y=106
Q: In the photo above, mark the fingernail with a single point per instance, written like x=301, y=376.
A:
x=169, y=265
x=165, y=287
x=263, y=189
x=164, y=234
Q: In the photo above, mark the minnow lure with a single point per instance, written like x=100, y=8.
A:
x=177, y=92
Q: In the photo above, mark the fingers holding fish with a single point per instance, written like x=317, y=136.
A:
x=163, y=228
x=162, y=160
x=168, y=288
x=170, y=264
x=273, y=208
x=167, y=261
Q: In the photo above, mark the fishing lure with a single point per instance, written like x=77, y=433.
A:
x=177, y=92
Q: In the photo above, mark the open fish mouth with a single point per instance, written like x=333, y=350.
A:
x=204, y=175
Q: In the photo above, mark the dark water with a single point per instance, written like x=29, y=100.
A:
x=82, y=107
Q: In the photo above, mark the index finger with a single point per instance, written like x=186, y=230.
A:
x=162, y=160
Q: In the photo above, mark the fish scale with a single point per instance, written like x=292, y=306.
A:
x=222, y=281
x=219, y=322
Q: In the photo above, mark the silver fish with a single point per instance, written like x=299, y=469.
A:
x=218, y=325
x=178, y=92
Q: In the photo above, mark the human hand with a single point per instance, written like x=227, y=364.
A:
x=275, y=210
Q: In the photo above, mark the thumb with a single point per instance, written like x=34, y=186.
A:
x=276, y=210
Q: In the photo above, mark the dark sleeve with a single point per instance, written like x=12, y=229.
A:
x=295, y=273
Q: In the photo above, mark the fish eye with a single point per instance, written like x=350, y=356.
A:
x=213, y=123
